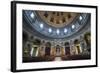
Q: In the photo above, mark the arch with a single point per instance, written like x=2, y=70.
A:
x=77, y=46
x=87, y=37
x=47, y=48
x=76, y=41
x=67, y=48
x=66, y=44
x=48, y=44
x=37, y=42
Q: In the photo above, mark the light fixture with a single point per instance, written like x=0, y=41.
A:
x=80, y=18
x=73, y=26
x=50, y=30
x=65, y=30
x=41, y=26
x=58, y=31
x=32, y=15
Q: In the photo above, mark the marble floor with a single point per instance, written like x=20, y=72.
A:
x=57, y=59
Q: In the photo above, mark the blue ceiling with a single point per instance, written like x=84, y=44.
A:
x=36, y=23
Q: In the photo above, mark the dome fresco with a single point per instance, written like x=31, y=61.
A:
x=56, y=24
x=57, y=19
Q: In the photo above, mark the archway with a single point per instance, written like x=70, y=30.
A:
x=67, y=48
x=47, y=49
x=77, y=46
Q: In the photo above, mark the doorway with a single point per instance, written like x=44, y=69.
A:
x=58, y=51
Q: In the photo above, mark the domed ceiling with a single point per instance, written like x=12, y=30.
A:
x=56, y=25
x=57, y=19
